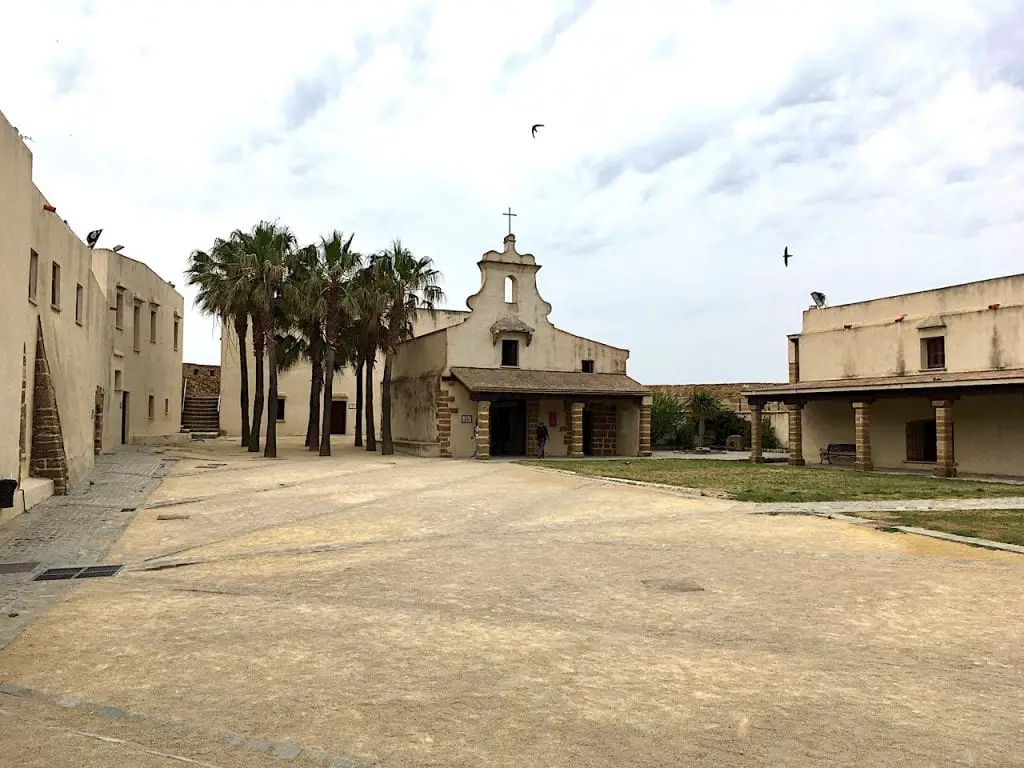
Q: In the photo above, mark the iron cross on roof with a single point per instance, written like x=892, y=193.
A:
x=510, y=215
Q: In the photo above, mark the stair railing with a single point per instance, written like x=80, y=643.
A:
x=184, y=392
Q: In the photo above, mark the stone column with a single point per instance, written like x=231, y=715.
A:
x=97, y=425
x=796, y=436
x=862, y=430
x=645, y=426
x=483, y=420
x=945, y=465
x=576, y=426
x=443, y=418
x=755, y=434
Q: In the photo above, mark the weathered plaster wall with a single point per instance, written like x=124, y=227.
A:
x=884, y=337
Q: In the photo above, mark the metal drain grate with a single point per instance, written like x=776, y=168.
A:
x=681, y=585
x=78, y=572
x=17, y=567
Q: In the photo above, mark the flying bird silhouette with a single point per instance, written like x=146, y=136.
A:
x=533, y=130
x=786, y=256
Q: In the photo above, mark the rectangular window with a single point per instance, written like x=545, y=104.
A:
x=152, y=326
x=137, y=326
x=119, y=380
x=119, y=310
x=79, y=304
x=934, y=352
x=33, y=275
x=280, y=409
x=177, y=326
x=509, y=352
x=55, y=285
x=152, y=406
x=167, y=407
x=588, y=366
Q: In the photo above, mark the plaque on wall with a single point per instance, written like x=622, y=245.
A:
x=351, y=406
x=467, y=418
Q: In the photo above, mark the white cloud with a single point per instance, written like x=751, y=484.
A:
x=685, y=144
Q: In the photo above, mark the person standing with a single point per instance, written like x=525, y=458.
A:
x=542, y=437
x=476, y=439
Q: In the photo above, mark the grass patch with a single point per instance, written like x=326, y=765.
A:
x=1005, y=525
x=752, y=482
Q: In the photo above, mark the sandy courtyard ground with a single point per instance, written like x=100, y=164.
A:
x=392, y=611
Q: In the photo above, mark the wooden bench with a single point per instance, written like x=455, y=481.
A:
x=837, y=451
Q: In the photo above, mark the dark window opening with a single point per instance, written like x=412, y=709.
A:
x=152, y=406
x=33, y=275
x=588, y=366
x=79, y=304
x=509, y=352
x=280, y=409
x=934, y=352
x=921, y=440
x=55, y=285
x=152, y=326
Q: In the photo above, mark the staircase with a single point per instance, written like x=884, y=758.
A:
x=200, y=414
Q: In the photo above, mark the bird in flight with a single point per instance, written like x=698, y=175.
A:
x=786, y=256
x=533, y=130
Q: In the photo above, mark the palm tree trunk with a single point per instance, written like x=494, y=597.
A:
x=316, y=383
x=270, y=451
x=259, y=349
x=371, y=431
x=387, y=444
x=700, y=432
x=241, y=331
x=328, y=380
x=359, y=401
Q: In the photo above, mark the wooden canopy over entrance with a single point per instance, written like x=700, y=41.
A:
x=492, y=383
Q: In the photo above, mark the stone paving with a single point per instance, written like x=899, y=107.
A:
x=76, y=529
x=401, y=612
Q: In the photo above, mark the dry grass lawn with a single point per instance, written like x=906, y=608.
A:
x=1006, y=525
x=782, y=483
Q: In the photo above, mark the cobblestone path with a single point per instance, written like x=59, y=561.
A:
x=76, y=529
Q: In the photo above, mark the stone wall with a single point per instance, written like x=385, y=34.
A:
x=444, y=408
x=49, y=459
x=203, y=380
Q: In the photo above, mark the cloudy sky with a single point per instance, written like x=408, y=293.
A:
x=686, y=144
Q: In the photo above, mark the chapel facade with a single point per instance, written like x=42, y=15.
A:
x=505, y=368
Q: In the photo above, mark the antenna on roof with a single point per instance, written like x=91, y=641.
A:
x=819, y=299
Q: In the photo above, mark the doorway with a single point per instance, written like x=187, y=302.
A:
x=508, y=428
x=339, y=416
x=124, y=418
x=588, y=432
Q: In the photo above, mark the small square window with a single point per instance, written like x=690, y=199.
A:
x=33, y=275
x=152, y=406
x=152, y=326
x=79, y=304
x=588, y=366
x=510, y=352
x=280, y=409
x=934, y=352
x=55, y=285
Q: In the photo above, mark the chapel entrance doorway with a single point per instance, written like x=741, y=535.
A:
x=508, y=428
x=588, y=432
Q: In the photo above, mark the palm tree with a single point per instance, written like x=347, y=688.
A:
x=338, y=265
x=702, y=405
x=409, y=285
x=266, y=252
x=307, y=316
x=215, y=274
x=370, y=302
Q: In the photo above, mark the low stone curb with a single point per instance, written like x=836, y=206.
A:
x=985, y=543
x=229, y=738
x=682, y=490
